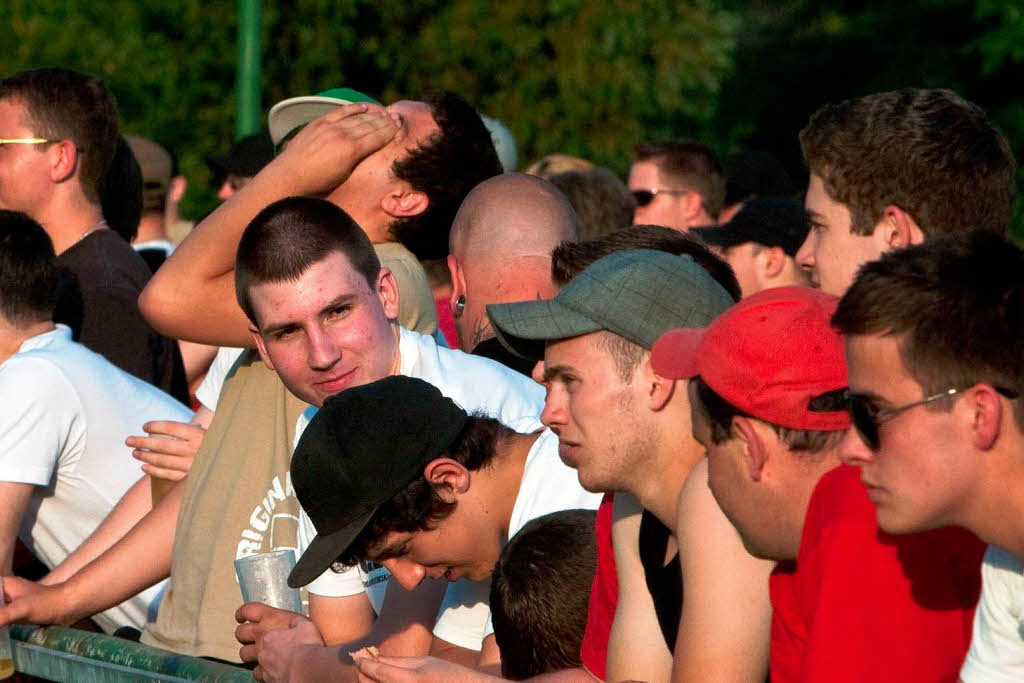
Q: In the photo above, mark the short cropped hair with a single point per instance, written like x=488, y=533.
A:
x=446, y=166
x=29, y=274
x=540, y=592
x=694, y=165
x=810, y=441
x=568, y=259
x=419, y=506
x=289, y=236
x=62, y=104
x=957, y=305
x=930, y=152
x=602, y=202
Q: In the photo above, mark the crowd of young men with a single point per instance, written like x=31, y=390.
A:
x=789, y=480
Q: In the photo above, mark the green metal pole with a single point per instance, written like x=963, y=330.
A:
x=247, y=116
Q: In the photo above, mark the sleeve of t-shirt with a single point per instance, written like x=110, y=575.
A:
x=997, y=647
x=40, y=419
x=208, y=392
x=330, y=584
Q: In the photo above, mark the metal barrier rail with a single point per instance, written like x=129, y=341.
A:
x=65, y=654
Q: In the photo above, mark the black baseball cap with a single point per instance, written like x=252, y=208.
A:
x=365, y=445
x=247, y=158
x=771, y=221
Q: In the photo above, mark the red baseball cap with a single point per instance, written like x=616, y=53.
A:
x=768, y=355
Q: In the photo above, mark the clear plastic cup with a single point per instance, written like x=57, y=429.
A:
x=263, y=577
x=6, y=657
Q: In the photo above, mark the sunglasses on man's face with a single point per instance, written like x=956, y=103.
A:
x=867, y=417
x=645, y=197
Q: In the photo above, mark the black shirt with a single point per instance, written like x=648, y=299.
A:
x=664, y=581
x=105, y=311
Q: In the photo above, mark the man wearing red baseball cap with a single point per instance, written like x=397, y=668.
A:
x=850, y=603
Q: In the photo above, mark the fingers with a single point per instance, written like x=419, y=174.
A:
x=252, y=611
x=246, y=633
x=161, y=444
x=179, y=430
x=250, y=652
x=175, y=462
x=257, y=673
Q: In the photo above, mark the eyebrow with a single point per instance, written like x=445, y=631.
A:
x=340, y=300
x=871, y=395
x=394, y=550
x=552, y=372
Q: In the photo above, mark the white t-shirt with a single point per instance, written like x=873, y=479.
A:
x=208, y=392
x=66, y=413
x=477, y=385
x=997, y=644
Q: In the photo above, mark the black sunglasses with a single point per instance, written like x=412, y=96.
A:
x=867, y=417
x=645, y=197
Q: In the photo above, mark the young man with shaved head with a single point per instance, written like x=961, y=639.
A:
x=501, y=243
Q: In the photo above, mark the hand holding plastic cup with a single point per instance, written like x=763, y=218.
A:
x=263, y=577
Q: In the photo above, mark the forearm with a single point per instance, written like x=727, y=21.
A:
x=132, y=507
x=192, y=296
x=141, y=558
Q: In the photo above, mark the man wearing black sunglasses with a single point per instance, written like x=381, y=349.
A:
x=849, y=604
x=677, y=184
x=935, y=365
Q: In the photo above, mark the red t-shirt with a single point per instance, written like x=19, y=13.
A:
x=604, y=595
x=864, y=605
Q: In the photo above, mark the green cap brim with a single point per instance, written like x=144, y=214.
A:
x=523, y=327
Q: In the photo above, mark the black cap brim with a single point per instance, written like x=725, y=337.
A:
x=719, y=236
x=325, y=550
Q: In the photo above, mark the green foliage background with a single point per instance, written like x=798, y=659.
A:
x=585, y=78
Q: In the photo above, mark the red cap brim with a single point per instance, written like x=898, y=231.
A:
x=674, y=355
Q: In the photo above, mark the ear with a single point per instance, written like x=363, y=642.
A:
x=771, y=261
x=387, y=292
x=176, y=191
x=458, y=281
x=693, y=203
x=257, y=339
x=755, y=450
x=896, y=230
x=448, y=476
x=986, y=415
x=404, y=202
x=659, y=389
x=63, y=160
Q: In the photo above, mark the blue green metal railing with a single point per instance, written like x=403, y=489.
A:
x=65, y=654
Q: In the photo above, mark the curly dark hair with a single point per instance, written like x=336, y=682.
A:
x=420, y=506
x=446, y=166
x=930, y=152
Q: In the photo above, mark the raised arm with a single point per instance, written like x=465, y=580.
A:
x=726, y=618
x=192, y=296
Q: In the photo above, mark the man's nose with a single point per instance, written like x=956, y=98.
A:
x=853, y=450
x=805, y=254
x=323, y=353
x=409, y=574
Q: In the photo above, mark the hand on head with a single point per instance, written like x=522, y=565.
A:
x=322, y=155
